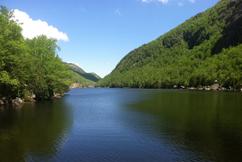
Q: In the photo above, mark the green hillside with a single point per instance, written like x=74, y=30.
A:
x=203, y=49
x=89, y=76
x=79, y=80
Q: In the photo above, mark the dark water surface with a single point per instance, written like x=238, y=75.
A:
x=125, y=125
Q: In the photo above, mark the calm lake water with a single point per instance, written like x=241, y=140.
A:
x=125, y=125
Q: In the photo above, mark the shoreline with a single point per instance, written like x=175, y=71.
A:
x=201, y=89
x=18, y=102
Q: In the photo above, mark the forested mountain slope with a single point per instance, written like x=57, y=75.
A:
x=203, y=49
x=89, y=76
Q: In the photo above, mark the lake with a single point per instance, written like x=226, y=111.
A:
x=125, y=125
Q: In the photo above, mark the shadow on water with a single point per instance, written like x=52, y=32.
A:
x=33, y=133
x=208, y=124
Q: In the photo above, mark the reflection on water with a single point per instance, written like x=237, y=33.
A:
x=123, y=125
x=206, y=123
x=34, y=131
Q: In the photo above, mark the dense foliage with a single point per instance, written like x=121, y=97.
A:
x=30, y=66
x=205, y=48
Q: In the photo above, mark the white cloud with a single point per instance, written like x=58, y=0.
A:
x=161, y=1
x=32, y=28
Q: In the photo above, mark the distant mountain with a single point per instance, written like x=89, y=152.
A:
x=205, y=49
x=89, y=76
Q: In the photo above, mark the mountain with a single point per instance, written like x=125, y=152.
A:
x=89, y=76
x=78, y=81
x=205, y=49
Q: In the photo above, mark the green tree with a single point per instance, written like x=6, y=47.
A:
x=12, y=53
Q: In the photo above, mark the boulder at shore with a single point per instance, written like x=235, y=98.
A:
x=1, y=102
x=215, y=87
x=17, y=101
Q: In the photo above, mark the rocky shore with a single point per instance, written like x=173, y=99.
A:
x=17, y=102
x=214, y=87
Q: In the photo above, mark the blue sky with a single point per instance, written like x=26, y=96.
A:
x=101, y=32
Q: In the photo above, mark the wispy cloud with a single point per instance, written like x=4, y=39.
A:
x=33, y=28
x=160, y=1
x=179, y=2
x=118, y=12
x=192, y=1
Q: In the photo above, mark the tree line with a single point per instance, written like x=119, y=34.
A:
x=30, y=66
